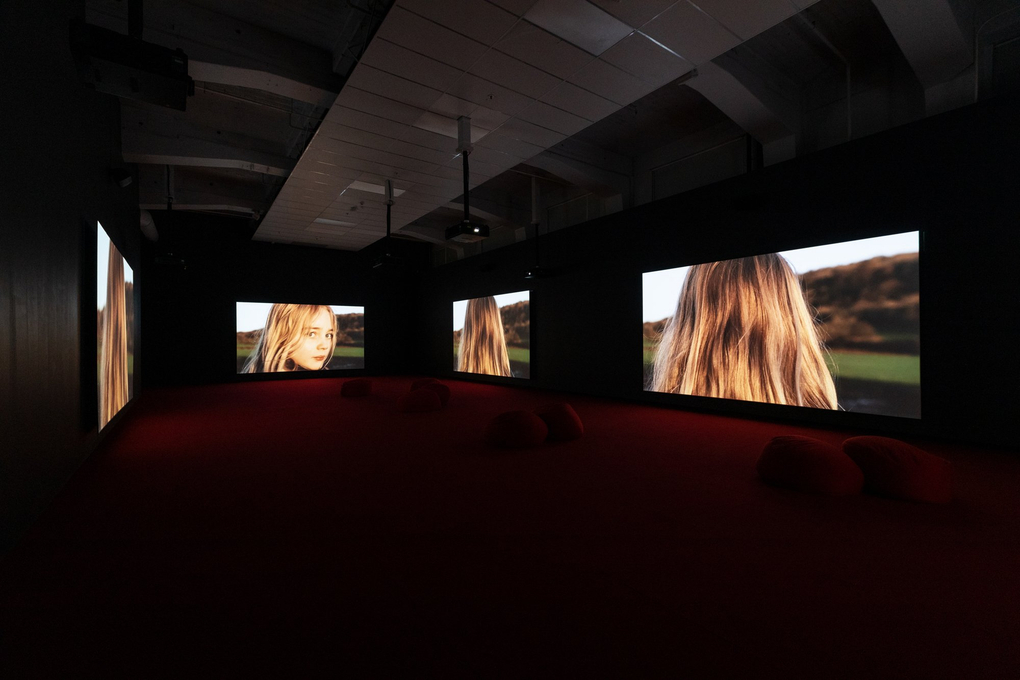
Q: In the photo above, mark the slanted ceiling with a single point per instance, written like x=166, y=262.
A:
x=529, y=74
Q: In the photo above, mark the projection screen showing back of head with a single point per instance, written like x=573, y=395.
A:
x=281, y=338
x=835, y=326
x=115, y=323
x=492, y=335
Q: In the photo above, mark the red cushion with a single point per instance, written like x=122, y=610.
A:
x=563, y=422
x=358, y=387
x=421, y=382
x=898, y=470
x=515, y=430
x=440, y=389
x=808, y=464
x=419, y=401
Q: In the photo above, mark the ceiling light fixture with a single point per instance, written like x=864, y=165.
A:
x=338, y=223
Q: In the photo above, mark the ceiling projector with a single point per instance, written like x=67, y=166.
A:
x=467, y=232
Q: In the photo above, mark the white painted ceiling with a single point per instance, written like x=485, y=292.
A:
x=529, y=74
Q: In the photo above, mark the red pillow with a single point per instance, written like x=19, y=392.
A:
x=358, y=387
x=808, y=464
x=898, y=470
x=563, y=422
x=440, y=389
x=516, y=430
x=421, y=382
x=419, y=401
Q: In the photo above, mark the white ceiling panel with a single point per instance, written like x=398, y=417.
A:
x=528, y=74
x=446, y=126
x=542, y=49
x=453, y=107
x=365, y=121
x=386, y=56
x=332, y=174
x=386, y=157
x=579, y=23
x=610, y=83
x=531, y=133
x=481, y=21
x=554, y=119
x=489, y=162
x=320, y=178
x=353, y=98
x=420, y=35
x=430, y=140
x=691, y=33
x=491, y=95
x=508, y=145
x=488, y=119
x=643, y=58
x=635, y=13
x=580, y=102
x=353, y=135
x=748, y=19
x=517, y=7
x=498, y=67
x=420, y=152
x=393, y=87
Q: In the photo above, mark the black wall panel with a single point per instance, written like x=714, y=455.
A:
x=203, y=264
x=953, y=177
x=58, y=142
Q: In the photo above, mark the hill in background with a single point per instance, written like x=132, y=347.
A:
x=350, y=332
x=872, y=305
x=516, y=320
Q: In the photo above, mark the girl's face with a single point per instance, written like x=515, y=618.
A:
x=314, y=350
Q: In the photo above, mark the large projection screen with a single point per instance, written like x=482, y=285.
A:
x=295, y=338
x=834, y=326
x=115, y=323
x=492, y=335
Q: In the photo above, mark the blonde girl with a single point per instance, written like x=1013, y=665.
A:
x=482, y=344
x=113, y=359
x=296, y=337
x=743, y=330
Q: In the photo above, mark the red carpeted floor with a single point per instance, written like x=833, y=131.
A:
x=274, y=529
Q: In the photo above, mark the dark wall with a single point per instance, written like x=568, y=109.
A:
x=202, y=265
x=952, y=176
x=57, y=143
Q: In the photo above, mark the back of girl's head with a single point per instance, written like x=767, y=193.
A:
x=743, y=330
x=482, y=342
x=284, y=331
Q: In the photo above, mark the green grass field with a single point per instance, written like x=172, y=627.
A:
x=521, y=354
x=892, y=368
x=245, y=350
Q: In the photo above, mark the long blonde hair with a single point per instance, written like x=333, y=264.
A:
x=743, y=330
x=482, y=343
x=282, y=335
x=113, y=360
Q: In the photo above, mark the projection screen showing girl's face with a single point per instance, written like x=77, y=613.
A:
x=833, y=327
x=492, y=335
x=115, y=322
x=280, y=338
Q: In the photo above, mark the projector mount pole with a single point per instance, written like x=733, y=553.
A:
x=464, y=147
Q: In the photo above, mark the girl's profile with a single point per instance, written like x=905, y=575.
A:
x=743, y=329
x=483, y=343
x=295, y=338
